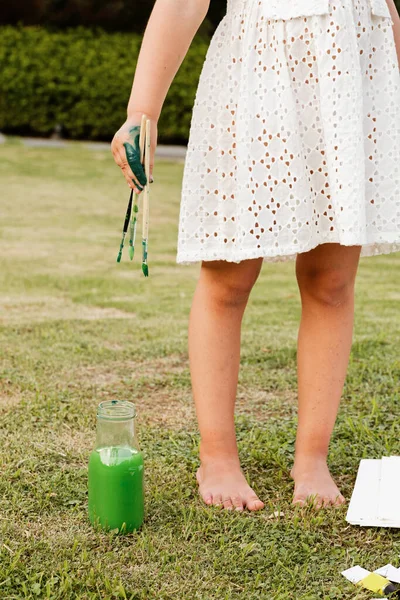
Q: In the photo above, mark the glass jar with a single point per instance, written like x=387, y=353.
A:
x=116, y=490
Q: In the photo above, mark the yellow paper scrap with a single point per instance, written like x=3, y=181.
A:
x=374, y=583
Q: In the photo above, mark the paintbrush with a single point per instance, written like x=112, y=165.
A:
x=125, y=227
x=135, y=208
x=146, y=200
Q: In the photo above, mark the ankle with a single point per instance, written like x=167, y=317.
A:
x=218, y=452
x=305, y=460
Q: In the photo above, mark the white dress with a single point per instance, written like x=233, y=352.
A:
x=295, y=133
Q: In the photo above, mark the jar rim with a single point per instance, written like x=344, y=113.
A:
x=116, y=410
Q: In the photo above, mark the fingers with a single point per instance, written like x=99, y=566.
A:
x=127, y=156
x=136, y=166
x=120, y=159
x=151, y=173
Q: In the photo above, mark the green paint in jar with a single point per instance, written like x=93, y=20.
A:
x=116, y=470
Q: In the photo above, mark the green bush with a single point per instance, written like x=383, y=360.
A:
x=81, y=79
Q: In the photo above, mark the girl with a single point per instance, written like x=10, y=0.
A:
x=294, y=152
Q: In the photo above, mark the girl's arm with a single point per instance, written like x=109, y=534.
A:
x=396, y=26
x=168, y=35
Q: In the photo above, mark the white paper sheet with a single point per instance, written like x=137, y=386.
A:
x=376, y=497
x=390, y=572
x=389, y=496
x=363, y=505
x=355, y=574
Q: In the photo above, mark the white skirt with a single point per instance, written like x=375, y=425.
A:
x=295, y=135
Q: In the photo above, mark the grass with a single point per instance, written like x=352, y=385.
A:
x=76, y=328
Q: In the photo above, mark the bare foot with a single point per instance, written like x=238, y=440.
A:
x=314, y=482
x=222, y=482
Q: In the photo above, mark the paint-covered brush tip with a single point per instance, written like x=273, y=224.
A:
x=119, y=256
x=145, y=270
x=131, y=252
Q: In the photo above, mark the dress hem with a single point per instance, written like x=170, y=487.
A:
x=370, y=249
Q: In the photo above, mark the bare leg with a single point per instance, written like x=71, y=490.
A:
x=214, y=353
x=326, y=277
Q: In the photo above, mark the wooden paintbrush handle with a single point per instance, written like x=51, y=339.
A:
x=146, y=194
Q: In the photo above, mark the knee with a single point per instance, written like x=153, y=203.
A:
x=229, y=284
x=232, y=293
x=228, y=289
x=331, y=287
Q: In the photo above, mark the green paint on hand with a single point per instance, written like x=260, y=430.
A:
x=133, y=156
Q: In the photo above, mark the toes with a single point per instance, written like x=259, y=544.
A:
x=237, y=502
x=326, y=501
x=318, y=502
x=339, y=500
x=198, y=475
x=254, y=503
x=228, y=504
x=314, y=501
x=217, y=500
x=208, y=499
x=299, y=501
x=305, y=500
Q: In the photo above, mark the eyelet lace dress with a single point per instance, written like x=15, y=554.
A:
x=295, y=133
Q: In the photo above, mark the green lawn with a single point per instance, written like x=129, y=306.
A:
x=77, y=328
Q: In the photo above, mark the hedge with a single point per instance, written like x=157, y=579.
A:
x=81, y=79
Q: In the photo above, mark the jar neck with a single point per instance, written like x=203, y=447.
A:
x=115, y=433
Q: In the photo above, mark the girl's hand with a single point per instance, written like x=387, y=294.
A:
x=126, y=151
